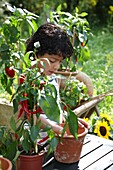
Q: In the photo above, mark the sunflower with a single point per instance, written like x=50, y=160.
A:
x=106, y=117
x=102, y=129
x=86, y=119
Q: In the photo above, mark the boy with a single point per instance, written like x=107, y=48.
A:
x=54, y=46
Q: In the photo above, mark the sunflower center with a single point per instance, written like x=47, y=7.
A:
x=103, y=130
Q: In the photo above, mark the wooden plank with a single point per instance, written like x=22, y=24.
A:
x=102, y=163
x=102, y=140
x=87, y=139
x=90, y=144
x=110, y=168
x=89, y=147
x=95, y=138
x=94, y=156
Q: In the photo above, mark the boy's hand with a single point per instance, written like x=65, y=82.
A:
x=83, y=123
x=57, y=128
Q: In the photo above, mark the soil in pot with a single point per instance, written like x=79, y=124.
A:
x=5, y=164
x=33, y=162
x=69, y=149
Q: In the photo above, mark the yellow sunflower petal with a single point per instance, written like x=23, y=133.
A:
x=86, y=119
x=106, y=117
x=102, y=129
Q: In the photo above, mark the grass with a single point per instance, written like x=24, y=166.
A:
x=100, y=65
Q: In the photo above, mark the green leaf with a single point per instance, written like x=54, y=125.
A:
x=9, y=86
x=59, y=8
x=14, y=34
x=26, y=132
x=30, y=23
x=76, y=41
x=83, y=14
x=15, y=106
x=5, y=56
x=51, y=90
x=54, y=143
x=4, y=80
x=77, y=10
x=26, y=60
x=64, y=129
x=26, y=145
x=72, y=123
x=35, y=25
x=4, y=47
x=50, y=107
x=11, y=151
x=13, y=123
x=11, y=32
x=34, y=132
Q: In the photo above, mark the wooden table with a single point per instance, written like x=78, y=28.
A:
x=97, y=154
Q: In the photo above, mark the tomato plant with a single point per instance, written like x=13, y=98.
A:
x=73, y=93
x=14, y=31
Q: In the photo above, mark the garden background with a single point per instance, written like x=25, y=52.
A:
x=99, y=62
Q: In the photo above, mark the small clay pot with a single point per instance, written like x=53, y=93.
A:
x=28, y=162
x=5, y=164
x=69, y=149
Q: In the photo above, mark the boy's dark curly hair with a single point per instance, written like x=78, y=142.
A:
x=52, y=39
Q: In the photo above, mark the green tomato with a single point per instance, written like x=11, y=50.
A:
x=67, y=93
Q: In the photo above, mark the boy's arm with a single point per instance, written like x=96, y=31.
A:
x=57, y=128
x=47, y=122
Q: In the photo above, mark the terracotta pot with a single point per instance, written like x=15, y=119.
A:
x=33, y=162
x=5, y=164
x=69, y=149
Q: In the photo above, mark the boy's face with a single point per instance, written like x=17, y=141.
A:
x=50, y=63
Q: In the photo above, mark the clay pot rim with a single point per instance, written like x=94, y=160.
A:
x=79, y=135
x=33, y=155
x=8, y=161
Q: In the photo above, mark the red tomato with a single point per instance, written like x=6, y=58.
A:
x=65, y=107
x=10, y=71
x=42, y=85
x=82, y=44
x=25, y=94
x=16, y=136
x=21, y=79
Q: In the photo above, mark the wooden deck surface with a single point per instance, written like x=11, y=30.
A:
x=97, y=154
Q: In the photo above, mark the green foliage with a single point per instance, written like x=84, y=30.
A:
x=99, y=67
x=73, y=93
x=98, y=11
x=77, y=28
x=7, y=145
x=12, y=43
